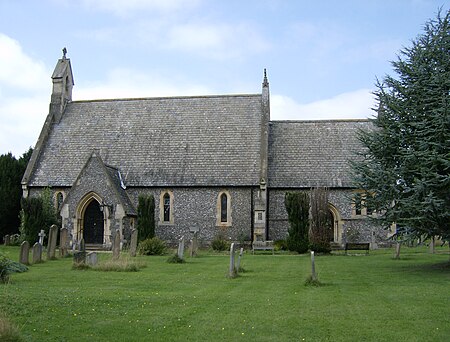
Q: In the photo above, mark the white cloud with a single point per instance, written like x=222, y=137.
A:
x=24, y=96
x=129, y=83
x=351, y=105
x=17, y=69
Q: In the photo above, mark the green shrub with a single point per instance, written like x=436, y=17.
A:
x=153, y=246
x=8, y=266
x=175, y=259
x=220, y=244
x=280, y=245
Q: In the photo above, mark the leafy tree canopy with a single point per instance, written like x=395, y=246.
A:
x=405, y=168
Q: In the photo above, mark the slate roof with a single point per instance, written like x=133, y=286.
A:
x=313, y=153
x=180, y=141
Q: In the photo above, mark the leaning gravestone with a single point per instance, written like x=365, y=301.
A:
x=180, y=251
x=63, y=242
x=232, y=271
x=24, y=253
x=7, y=240
x=194, y=245
x=116, y=246
x=37, y=253
x=92, y=258
x=51, y=247
x=79, y=257
x=133, y=242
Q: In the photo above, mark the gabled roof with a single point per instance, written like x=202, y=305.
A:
x=313, y=153
x=104, y=180
x=179, y=141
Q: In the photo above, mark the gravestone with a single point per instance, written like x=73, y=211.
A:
x=92, y=258
x=51, y=246
x=79, y=257
x=313, y=267
x=238, y=266
x=24, y=253
x=63, y=242
x=194, y=244
x=180, y=251
x=116, y=245
x=232, y=271
x=133, y=242
x=41, y=237
x=37, y=253
x=6, y=240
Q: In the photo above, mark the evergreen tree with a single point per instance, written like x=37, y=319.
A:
x=405, y=169
x=146, y=217
x=320, y=230
x=11, y=172
x=297, y=206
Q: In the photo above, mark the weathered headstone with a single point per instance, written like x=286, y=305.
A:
x=92, y=259
x=6, y=240
x=133, y=242
x=194, y=244
x=51, y=246
x=238, y=266
x=24, y=253
x=41, y=237
x=63, y=242
x=232, y=271
x=116, y=246
x=313, y=267
x=79, y=257
x=180, y=251
x=37, y=253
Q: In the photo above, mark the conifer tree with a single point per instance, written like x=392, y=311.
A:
x=146, y=217
x=405, y=168
x=297, y=206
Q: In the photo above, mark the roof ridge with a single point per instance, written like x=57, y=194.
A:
x=166, y=97
x=320, y=121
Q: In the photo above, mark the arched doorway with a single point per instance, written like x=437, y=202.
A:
x=93, y=223
x=335, y=222
x=330, y=226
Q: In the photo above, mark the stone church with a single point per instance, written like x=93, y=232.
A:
x=214, y=164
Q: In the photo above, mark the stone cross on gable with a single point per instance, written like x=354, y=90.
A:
x=41, y=237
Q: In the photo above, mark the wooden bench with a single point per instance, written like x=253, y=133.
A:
x=262, y=245
x=357, y=247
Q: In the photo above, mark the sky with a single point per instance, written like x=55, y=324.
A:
x=322, y=57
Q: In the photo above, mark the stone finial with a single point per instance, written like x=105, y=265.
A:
x=265, y=81
x=64, y=50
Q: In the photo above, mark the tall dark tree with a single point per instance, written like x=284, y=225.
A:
x=146, y=217
x=297, y=207
x=11, y=172
x=320, y=226
x=405, y=169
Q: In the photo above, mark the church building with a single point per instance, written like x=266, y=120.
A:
x=214, y=164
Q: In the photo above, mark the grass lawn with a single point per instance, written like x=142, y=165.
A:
x=363, y=298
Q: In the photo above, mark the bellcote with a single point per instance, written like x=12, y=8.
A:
x=62, y=79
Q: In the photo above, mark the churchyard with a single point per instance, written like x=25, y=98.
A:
x=362, y=298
